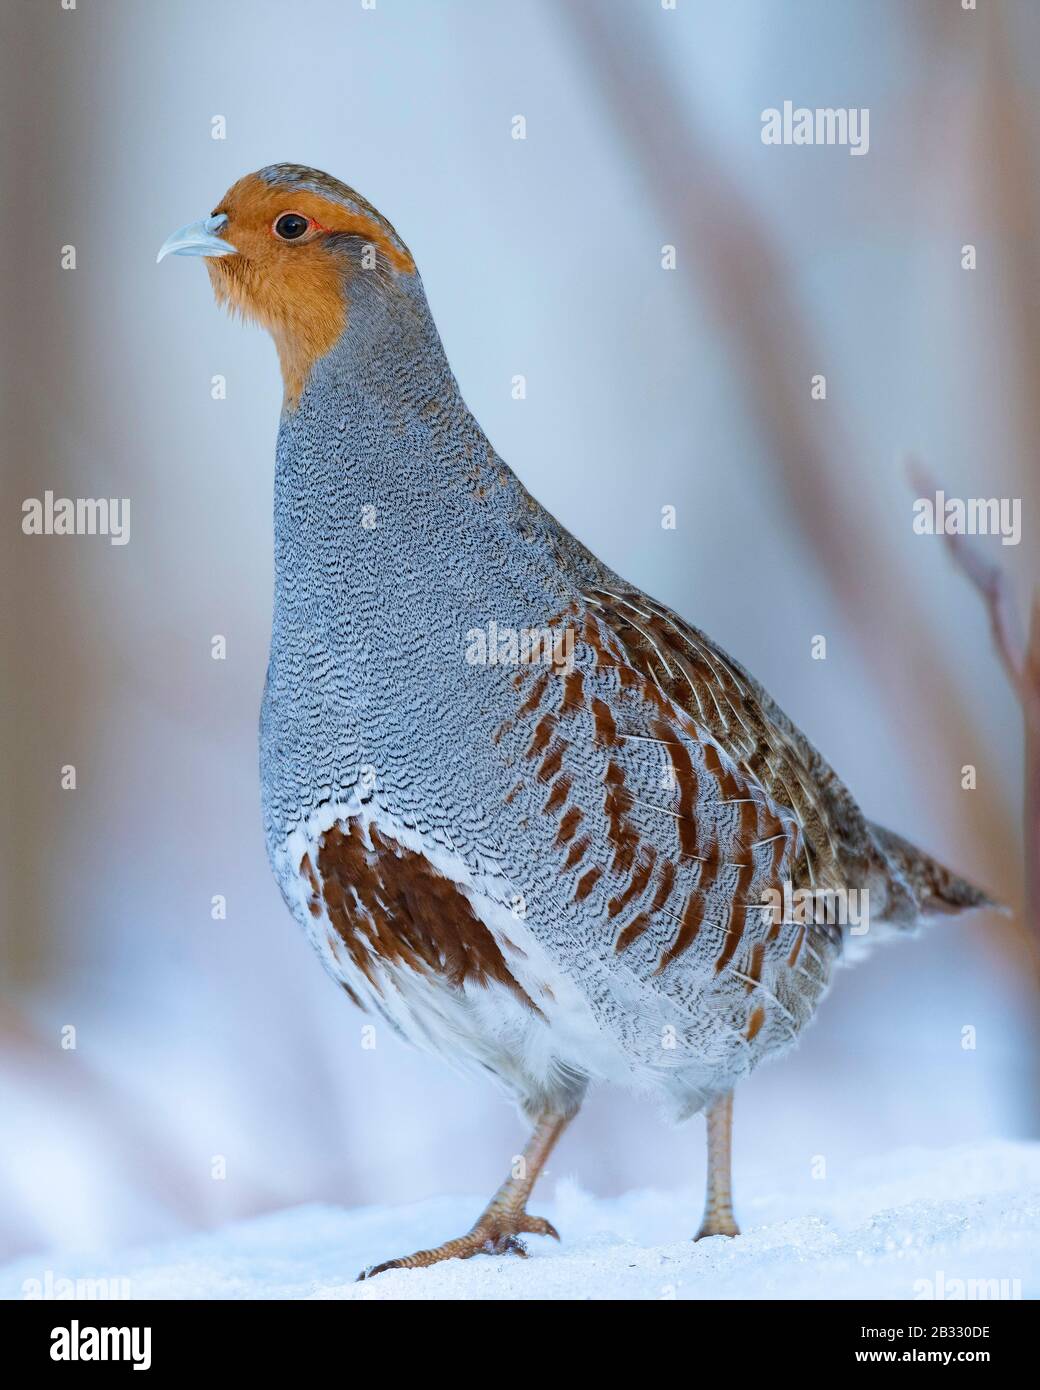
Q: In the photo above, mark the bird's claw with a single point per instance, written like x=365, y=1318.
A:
x=488, y=1237
x=537, y=1226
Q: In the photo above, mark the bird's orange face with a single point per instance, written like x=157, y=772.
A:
x=279, y=258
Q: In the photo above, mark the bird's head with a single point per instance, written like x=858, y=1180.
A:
x=284, y=247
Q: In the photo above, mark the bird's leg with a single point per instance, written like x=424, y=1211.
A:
x=504, y=1219
x=718, y=1217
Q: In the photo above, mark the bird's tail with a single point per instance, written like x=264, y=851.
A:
x=922, y=886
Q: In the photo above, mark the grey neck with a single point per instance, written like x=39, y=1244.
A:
x=398, y=530
x=387, y=380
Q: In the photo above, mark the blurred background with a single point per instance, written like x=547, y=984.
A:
x=199, y=1039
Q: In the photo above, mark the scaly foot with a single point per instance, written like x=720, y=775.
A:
x=718, y=1217
x=496, y=1233
x=721, y=1224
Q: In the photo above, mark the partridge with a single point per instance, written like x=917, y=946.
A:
x=527, y=814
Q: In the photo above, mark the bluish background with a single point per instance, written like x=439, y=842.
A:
x=645, y=387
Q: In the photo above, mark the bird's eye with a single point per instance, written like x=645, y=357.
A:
x=291, y=226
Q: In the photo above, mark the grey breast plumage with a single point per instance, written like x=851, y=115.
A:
x=631, y=784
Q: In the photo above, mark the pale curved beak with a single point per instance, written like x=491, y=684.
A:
x=198, y=239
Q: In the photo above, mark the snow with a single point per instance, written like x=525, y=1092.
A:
x=879, y=1231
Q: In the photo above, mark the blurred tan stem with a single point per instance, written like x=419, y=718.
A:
x=1021, y=662
x=1030, y=697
